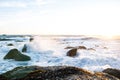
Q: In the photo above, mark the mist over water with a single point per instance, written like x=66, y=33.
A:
x=50, y=51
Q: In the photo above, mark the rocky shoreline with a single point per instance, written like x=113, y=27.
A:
x=58, y=73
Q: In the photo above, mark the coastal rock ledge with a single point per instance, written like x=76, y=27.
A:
x=54, y=73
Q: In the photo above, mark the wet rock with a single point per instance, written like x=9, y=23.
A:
x=54, y=73
x=104, y=76
x=91, y=49
x=72, y=52
x=69, y=47
x=31, y=39
x=3, y=78
x=16, y=55
x=10, y=44
x=114, y=72
x=82, y=47
x=24, y=49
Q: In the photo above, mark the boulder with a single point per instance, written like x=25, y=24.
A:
x=72, y=52
x=53, y=73
x=16, y=55
x=24, y=49
x=114, y=72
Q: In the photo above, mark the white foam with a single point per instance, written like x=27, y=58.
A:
x=49, y=51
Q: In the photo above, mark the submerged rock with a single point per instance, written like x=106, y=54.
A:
x=82, y=47
x=16, y=55
x=91, y=49
x=114, y=72
x=72, y=52
x=53, y=73
x=10, y=44
x=24, y=48
x=69, y=47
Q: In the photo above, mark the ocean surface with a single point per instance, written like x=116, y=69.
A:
x=50, y=51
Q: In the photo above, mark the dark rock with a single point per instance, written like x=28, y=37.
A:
x=24, y=48
x=114, y=72
x=69, y=47
x=3, y=78
x=72, y=52
x=19, y=72
x=31, y=39
x=54, y=73
x=82, y=47
x=10, y=44
x=16, y=55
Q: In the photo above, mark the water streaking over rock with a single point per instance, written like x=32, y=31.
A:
x=97, y=55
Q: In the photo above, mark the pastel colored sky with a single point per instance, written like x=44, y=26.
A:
x=93, y=17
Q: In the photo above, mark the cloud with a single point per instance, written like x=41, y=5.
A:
x=13, y=4
x=40, y=2
x=22, y=4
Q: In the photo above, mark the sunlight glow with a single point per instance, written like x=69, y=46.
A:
x=101, y=19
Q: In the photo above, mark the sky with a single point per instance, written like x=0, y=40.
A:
x=59, y=17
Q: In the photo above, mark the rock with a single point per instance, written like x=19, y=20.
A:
x=19, y=72
x=72, y=52
x=54, y=73
x=104, y=76
x=114, y=72
x=10, y=44
x=24, y=48
x=31, y=39
x=82, y=47
x=16, y=55
x=69, y=47
x=3, y=78
x=91, y=49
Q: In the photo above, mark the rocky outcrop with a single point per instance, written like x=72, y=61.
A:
x=114, y=72
x=16, y=55
x=54, y=73
x=72, y=52
x=24, y=49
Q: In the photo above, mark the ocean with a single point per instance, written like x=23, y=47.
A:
x=52, y=51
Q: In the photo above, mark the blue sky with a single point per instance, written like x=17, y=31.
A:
x=95, y=17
